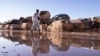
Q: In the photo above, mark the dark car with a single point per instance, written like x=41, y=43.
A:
x=64, y=17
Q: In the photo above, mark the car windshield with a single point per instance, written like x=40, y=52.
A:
x=55, y=17
x=60, y=16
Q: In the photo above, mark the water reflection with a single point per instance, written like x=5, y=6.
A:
x=40, y=44
x=59, y=42
x=62, y=41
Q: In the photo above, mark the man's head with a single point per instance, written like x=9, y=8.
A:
x=37, y=10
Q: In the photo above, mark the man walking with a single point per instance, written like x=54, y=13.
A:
x=36, y=21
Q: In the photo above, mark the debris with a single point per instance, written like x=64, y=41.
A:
x=6, y=52
x=4, y=47
x=16, y=44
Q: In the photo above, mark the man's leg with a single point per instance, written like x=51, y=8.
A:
x=38, y=28
x=32, y=28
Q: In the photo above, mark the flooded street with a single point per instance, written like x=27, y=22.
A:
x=22, y=43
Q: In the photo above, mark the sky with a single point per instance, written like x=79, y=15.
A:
x=14, y=9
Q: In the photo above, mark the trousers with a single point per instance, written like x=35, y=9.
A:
x=35, y=25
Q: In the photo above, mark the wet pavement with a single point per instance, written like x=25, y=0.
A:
x=23, y=43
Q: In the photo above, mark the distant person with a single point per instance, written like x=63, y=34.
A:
x=36, y=21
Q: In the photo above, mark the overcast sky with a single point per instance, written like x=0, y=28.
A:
x=10, y=9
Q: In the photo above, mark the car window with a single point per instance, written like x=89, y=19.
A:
x=63, y=16
x=55, y=17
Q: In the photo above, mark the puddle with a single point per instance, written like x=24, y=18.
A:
x=22, y=43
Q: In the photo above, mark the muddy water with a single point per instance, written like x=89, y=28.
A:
x=21, y=43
